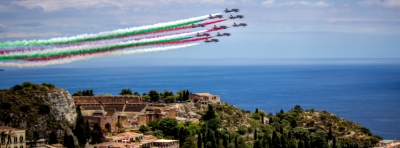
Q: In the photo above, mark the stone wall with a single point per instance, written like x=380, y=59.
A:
x=107, y=99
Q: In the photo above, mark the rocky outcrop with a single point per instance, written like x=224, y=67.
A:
x=62, y=106
x=188, y=112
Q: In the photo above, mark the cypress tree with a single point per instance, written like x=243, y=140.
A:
x=276, y=142
x=199, y=141
x=262, y=119
x=225, y=141
x=300, y=144
x=216, y=134
x=257, y=110
x=281, y=130
x=80, y=130
x=212, y=139
x=205, y=139
x=236, y=143
x=334, y=143
x=284, y=142
x=257, y=144
x=330, y=134
x=53, y=138
x=255, y=134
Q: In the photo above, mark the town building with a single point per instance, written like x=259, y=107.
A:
x=204, y=98
x=15, y=138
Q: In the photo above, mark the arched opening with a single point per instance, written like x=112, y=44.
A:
x=108, y=127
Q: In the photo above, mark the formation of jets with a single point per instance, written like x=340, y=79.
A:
x=220, y=27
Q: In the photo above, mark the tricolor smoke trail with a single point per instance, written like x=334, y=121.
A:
x=110, y=40
x=97, y=48
x=118, y=42
x=99, y=52
x=107, y=35
x=77, y=58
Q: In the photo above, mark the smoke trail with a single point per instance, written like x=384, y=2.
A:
x=99, y=52
x=68, y=60
x=106, y=35
x=111, y=40
x=80, y=50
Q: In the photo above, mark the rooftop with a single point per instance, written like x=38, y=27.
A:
x=6, y=128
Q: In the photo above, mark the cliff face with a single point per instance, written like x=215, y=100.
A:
x=39, y=109
x=62, y=106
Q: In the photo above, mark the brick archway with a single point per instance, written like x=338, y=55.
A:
x=108, y=127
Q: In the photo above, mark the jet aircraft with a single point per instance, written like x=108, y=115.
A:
x=215, y=16
x=203, y=34
x=212, y=40
x=220, y=27
x=237, y=16
x=197, y=25
x=240, y=24
x=232, y=10
x=223, y=34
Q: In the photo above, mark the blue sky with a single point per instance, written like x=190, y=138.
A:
x=276, y=28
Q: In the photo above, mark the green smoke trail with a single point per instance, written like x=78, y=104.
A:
x=96, y=49
x=100, y=37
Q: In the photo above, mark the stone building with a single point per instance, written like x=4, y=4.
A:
x=156, y=112
x=204, y=98
x=16, y=140
x=130, y=111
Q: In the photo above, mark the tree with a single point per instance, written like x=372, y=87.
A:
x=119, y=125
x=183, y=134
x=97, y=134
x=300, y=144
x=330, y=136
x=276, y=142
x=153, y=125
x=169, y=126
x=68, y=141
x=53, y=138
x=334, y=143
x=80, y=130
x=7, y=136
x=126, y=91
x=144, y=128
x=211, y=118
x=255, y=134
x=136, y=94
x=199, y=141
x=257, y=144
x=189, y=142
x=154, y=95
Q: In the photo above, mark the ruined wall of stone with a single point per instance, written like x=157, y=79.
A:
x=107, y=99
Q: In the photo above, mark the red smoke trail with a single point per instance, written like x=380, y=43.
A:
x=21, y=49
x=99, y=52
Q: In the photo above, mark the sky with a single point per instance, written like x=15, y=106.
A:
x=276, y=28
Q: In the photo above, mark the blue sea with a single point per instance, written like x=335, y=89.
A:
x=364, y=92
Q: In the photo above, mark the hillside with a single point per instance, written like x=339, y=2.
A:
x=296, y=122
x=39, y=109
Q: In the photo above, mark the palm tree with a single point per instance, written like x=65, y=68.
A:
x=7, y=135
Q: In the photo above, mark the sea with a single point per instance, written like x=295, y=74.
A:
x=365, y=92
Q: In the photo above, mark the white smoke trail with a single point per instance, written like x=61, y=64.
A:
x=85, y=47
x=83, y=36
x=86, y=57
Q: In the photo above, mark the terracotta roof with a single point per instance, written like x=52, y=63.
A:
x=6, y=128
x=203, y=94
